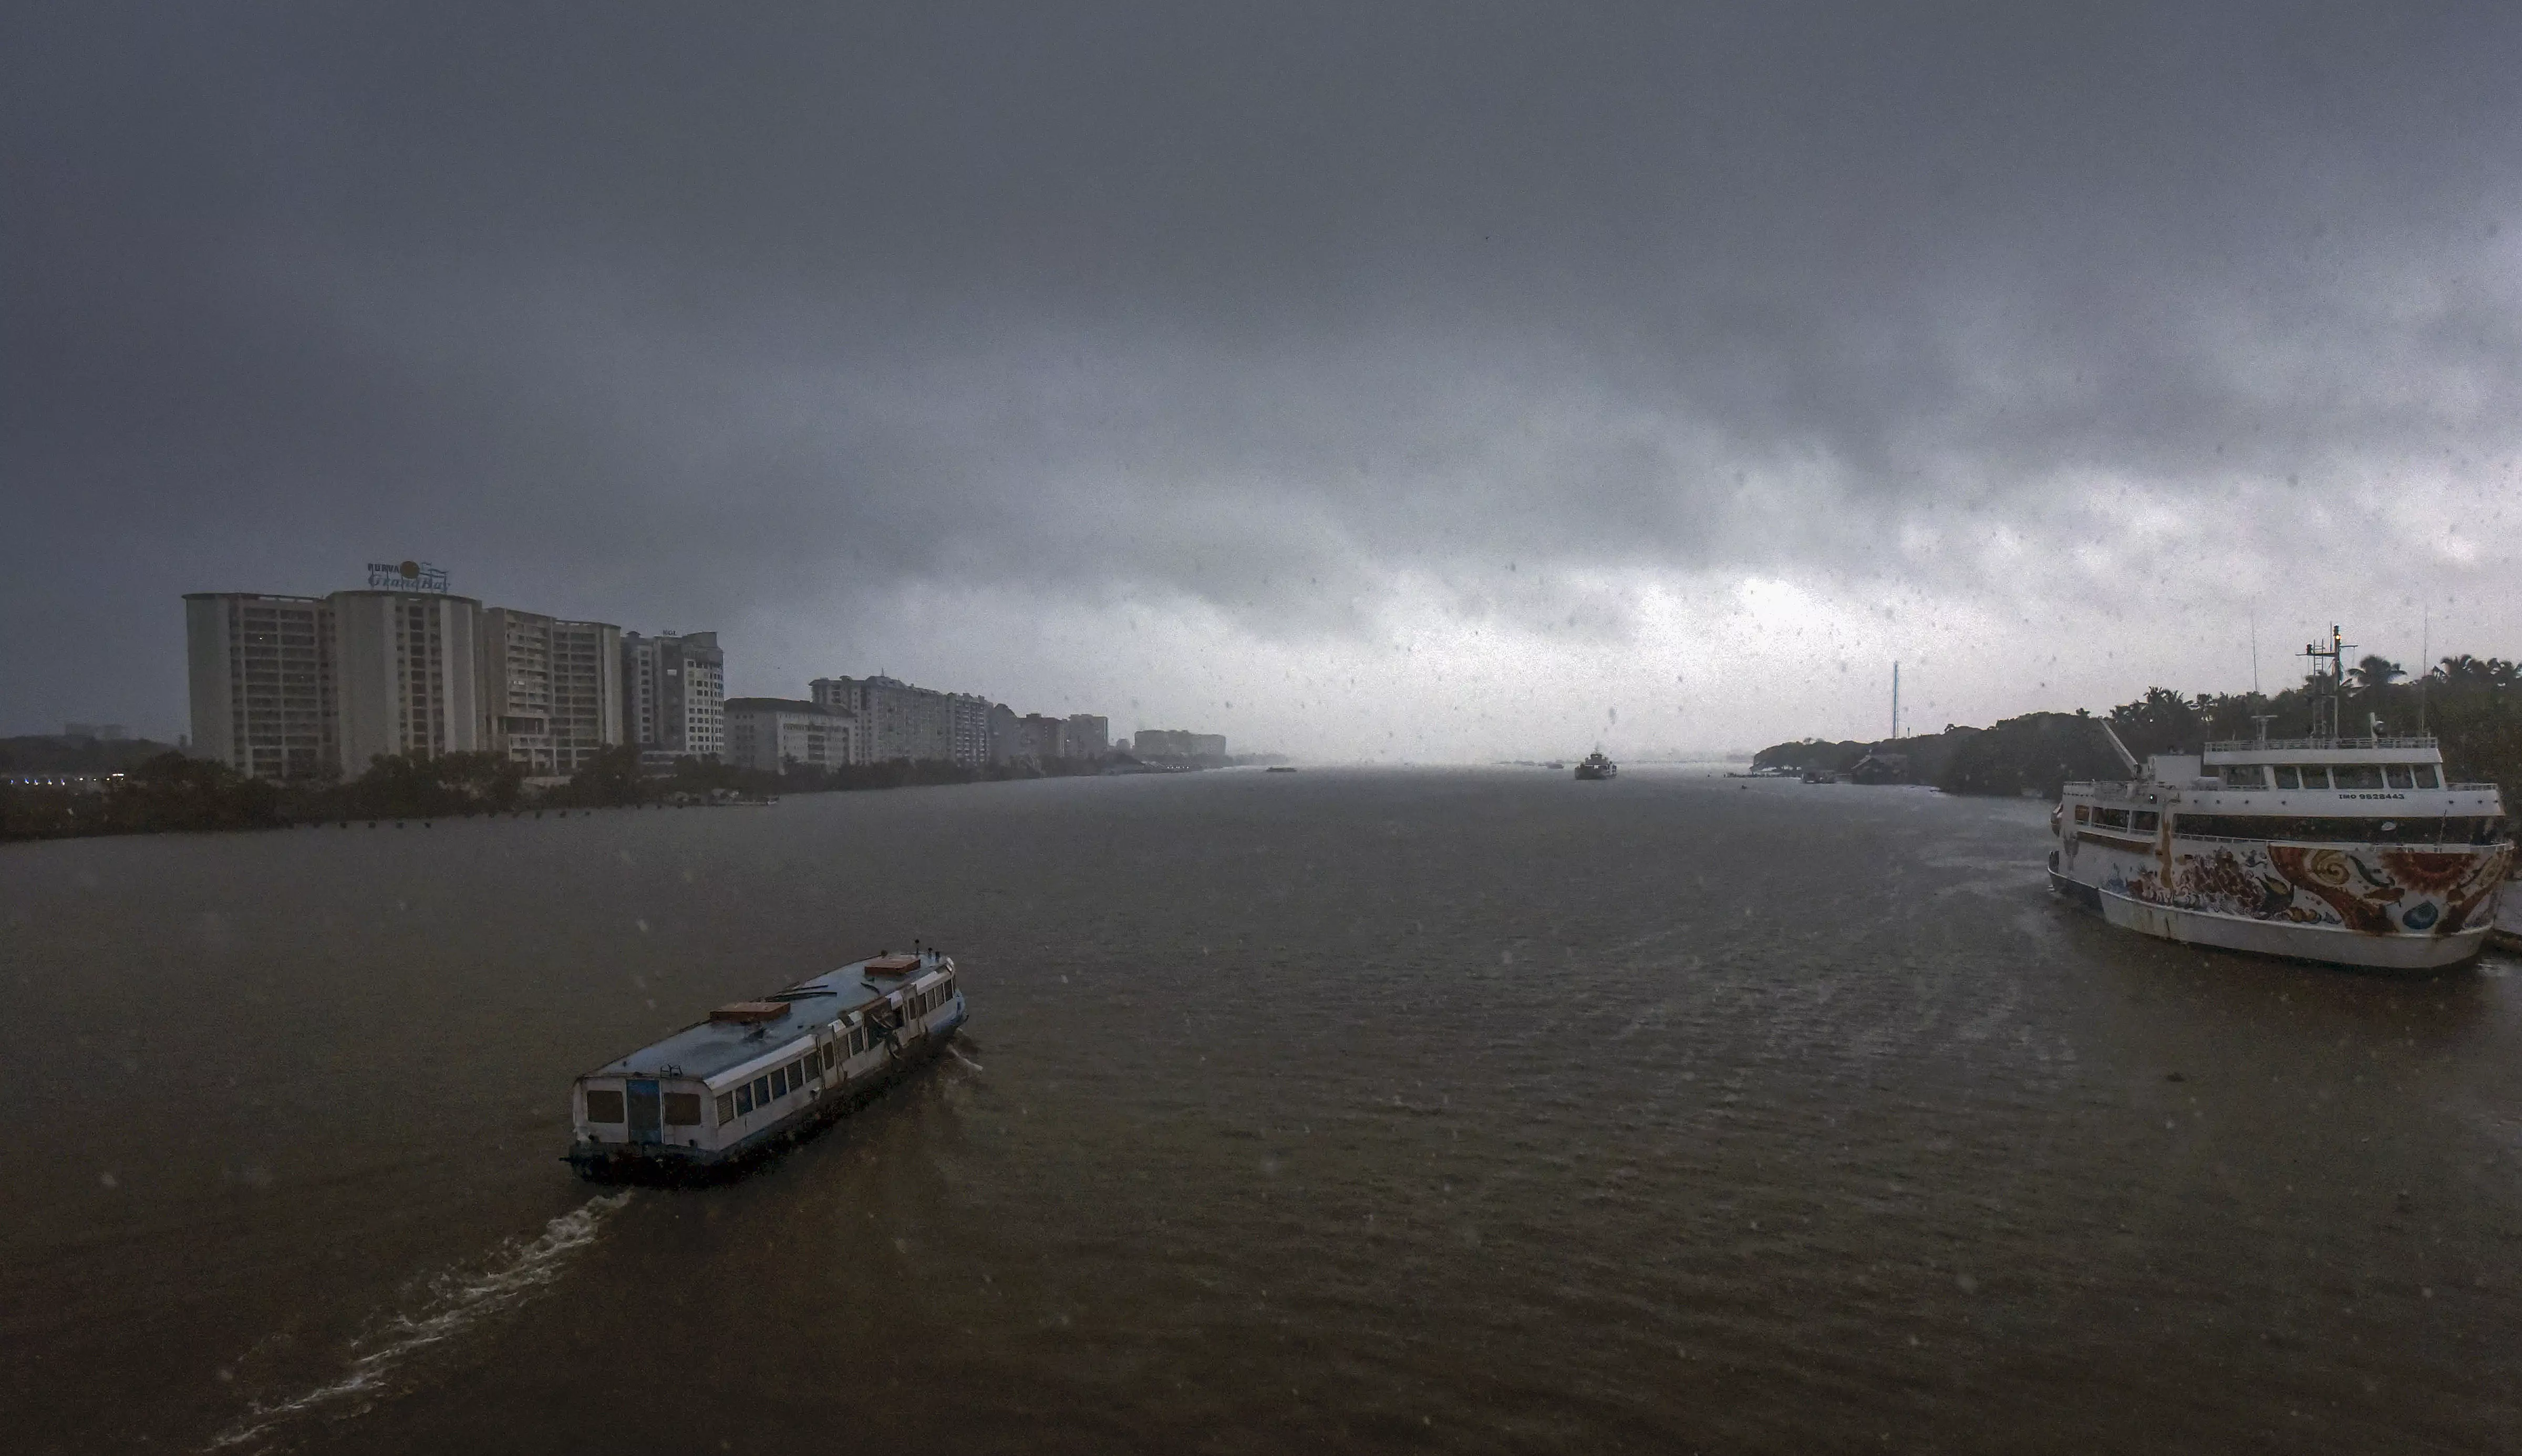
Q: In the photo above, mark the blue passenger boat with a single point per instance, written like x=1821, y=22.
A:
x=760, y=1073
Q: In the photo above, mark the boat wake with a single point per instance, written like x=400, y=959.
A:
x=456, y=1300
x=959, y=1056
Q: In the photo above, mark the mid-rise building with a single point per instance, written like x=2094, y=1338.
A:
x=551, y=691
x=1177, y=743
x=261, y=681
x=779, y=734
x=898, y=721
x=1005, y=733
x=1090, y=736
x=406, y=675
x=1043, y=738
x=674, y=695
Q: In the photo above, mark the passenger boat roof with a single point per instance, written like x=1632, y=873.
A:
x=705, y=1050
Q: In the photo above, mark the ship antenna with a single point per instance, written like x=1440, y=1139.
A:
x=2425, y=663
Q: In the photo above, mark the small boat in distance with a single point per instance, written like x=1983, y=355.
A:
x=1596, y=766
x=758, y=1075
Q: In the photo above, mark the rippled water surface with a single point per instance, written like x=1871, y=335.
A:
x=1465, y=1110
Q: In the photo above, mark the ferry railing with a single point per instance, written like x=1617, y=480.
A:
x=2101, y=788
x=2242, y=745
x=2183, y=834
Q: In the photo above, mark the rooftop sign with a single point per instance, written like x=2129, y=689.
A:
x=405, y=576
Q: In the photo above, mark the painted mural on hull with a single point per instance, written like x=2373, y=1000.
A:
x=2374, y=890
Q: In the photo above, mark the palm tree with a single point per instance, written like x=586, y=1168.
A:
x=2375, y=671
x=2460, y=670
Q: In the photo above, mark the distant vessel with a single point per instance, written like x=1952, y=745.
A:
x=2353, y=850
x=759, y=1074
x=1820, y=776
x=1596, y=766
x=1279, y=768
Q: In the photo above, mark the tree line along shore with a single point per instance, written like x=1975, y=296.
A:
x=152, y=788
x=2473, y=705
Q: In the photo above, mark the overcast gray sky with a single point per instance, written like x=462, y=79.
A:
x=1425, y=382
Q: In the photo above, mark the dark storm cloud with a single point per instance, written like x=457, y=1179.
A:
x=678, y=313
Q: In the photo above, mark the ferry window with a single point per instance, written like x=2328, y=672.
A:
x=2245, y=775
x=726, y=1106
x=682, y=1109
x=824, y=1053
x=603, y=1106
x=778, y=1082
x=762, y=1092
x=744, y=1098
x=2289, y=776
x=2398, y=775
x=858, y=1040
x=796, y=1074
x=2357, y=775
x=2147, y=820
x=2084, y=813
x=2314, y=775
x=2111, y=819
x=2426, y=777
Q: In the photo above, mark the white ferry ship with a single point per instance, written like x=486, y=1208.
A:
x=2355, y=851
x=758, y=1073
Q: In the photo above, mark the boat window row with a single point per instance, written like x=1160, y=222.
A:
x=771, y=1086
x=2341, y=829
x=914, y=1007
x=2333, y=776
x=678, y=1109
x=2142, y=820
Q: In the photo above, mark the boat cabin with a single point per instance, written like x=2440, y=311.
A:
x=756, y=1069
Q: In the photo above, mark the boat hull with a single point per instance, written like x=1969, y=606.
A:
x=2330, y=945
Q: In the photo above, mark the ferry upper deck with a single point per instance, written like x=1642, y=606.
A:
x=2388, y=787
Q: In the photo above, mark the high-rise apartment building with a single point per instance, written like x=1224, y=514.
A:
x=551, y=691
x=307, y=687
x=262, y=677
x=674, y=695
x=967, y=728
x=406, y=675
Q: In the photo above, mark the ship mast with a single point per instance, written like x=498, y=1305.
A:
x=2335, y=654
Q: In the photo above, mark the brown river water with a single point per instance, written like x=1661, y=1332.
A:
x=1467, y=1111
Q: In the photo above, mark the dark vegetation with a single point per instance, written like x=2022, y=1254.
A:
x=167, y=791
x=2474, y=705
